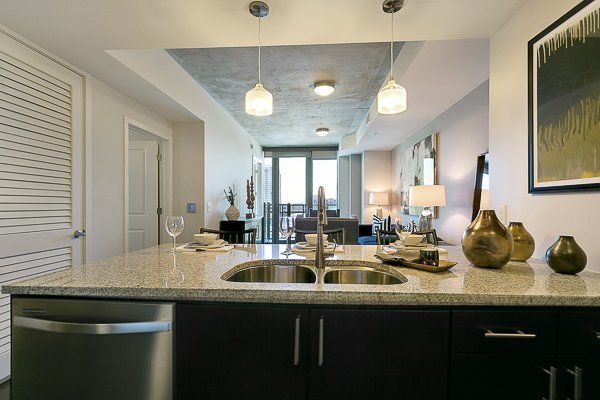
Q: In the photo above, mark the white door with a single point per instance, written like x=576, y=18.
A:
x=143, y=194
x=41, y=171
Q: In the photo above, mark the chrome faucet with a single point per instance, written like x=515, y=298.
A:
x=321, y=222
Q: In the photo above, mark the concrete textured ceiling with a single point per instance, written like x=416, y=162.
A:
x=81, y=31
x=289, y=73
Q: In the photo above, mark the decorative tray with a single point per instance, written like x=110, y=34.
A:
x=445, y=265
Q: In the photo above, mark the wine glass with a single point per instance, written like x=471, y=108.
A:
x=286, y=227
x=174, y=226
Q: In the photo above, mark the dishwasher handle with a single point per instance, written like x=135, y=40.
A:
x=92, y=329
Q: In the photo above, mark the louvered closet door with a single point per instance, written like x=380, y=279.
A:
x=41, y=171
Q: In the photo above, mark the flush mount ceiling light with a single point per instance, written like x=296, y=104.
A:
x=259, y=101
x=391, y=99
x=322, y=132
x=324, y=88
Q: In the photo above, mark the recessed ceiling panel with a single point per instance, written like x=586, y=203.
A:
x=289, y=73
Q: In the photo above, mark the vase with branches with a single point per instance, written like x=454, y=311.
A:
x=232, y=213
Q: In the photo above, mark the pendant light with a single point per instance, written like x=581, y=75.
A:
x=259, y=101
x=391, y=99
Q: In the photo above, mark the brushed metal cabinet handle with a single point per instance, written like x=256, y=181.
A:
x=577, y=382
x=321, y=337
x=551, y=372
x=489, y=334
x=297, y=341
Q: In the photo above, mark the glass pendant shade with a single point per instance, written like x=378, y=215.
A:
x=259, y=101
x=391, y=99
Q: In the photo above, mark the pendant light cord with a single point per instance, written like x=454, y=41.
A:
x=259, y=49
x=392, y=50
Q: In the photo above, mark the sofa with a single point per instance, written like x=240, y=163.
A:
x=350, y=226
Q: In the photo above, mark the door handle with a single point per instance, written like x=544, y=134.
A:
x=297, y=341
x=79, y=233
x=516, y=335
x=577, y=382
x=92, y=329
x=321, y=337
x=551, y=372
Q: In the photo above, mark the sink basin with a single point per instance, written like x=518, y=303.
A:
x=361, y=276
x=274, y=273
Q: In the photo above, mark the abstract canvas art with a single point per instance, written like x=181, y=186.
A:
x=564, y=103
x=417, y=166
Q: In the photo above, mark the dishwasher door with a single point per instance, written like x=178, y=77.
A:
x=91, y=349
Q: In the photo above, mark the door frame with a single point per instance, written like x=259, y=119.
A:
x=165, y=145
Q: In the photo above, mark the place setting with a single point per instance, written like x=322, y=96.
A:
x=206, y=242
x=310, y=245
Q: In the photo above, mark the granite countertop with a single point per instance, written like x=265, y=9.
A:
x=149, y=274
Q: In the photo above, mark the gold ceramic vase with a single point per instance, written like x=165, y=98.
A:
x=487, y=243
x=524, y=245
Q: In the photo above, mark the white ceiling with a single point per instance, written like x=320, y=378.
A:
x=79, y=31
x=441, y=73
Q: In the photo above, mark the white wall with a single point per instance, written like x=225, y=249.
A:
x=344, y=186
x=229, y=148
x=376, y=177
x=548, y=215
x=188, y=175
x=108, y=111
x=463, y=135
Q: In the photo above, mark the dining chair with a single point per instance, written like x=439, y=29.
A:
x=385, y=238
x=246, y=236
x=430, y=236
x=338, y=235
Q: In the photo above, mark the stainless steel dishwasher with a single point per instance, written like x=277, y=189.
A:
x=91, y=349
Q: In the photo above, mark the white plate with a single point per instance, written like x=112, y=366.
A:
x=399, y=245
x=214, y=245
x=306, y=246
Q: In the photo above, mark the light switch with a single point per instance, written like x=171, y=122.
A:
x=191, y=208
x=209, y=207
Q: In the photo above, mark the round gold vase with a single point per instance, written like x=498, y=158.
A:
x=565, y=256
x=524, y=245
x=487, y=243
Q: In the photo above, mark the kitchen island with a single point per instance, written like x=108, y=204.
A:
x=520, y=332
x=150, y=274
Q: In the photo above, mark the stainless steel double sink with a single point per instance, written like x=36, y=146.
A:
x=339, y=273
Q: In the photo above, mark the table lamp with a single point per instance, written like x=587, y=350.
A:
x=426, y=196
x=379, y=199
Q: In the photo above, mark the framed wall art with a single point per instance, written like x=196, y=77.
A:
x=564, y=103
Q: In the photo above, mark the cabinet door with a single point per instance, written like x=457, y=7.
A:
x=502, y=377
x=578, y=377
x=237, y=352
x=365, y=354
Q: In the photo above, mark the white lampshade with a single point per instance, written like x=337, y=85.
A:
x=259, y=101
x=379, y=198
x=427, y=196
x=391, y=99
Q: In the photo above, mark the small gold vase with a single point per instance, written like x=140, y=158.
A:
x=486, y=242
x=523, y=242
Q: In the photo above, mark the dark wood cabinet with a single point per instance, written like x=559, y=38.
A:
x=579, y=355
x=500, y=377
x=374, y=354
x=233, y=353
x=578, y=377
x=325, y=353
x=505, y=354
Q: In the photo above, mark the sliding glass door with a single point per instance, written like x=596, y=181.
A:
x=325, y=173
x=292, y=188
